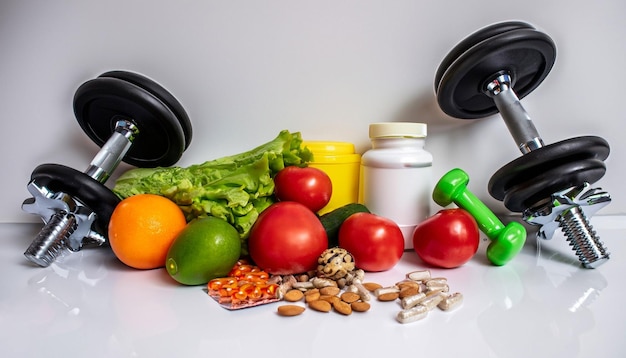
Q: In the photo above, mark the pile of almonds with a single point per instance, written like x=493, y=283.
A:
x=323, y=295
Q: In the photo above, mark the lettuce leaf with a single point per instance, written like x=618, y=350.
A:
x=235, y=188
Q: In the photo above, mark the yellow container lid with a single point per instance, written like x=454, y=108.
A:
x=332, y=152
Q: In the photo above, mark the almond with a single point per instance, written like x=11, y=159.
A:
x=312, y=291
x=360, y=306
x=350, y=297
x=330, y=291
x=408, y=291
x=320, y=305
x=290, y=310
x=314, y=296
x=407, y=283
x=329, y=298
x=342, y=307
x=371, y=286
x=390, y=296
x=293, y=295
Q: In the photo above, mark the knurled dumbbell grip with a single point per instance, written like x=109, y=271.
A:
x=112, y=152
x=515, y=116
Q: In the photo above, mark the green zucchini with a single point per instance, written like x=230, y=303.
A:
x=332, y=220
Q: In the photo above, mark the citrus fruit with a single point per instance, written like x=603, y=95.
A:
x=207, y=248
x=142, y=228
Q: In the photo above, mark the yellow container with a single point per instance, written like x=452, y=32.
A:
x=341, y=163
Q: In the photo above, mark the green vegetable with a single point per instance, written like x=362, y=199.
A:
x=332, y=220
x=235, y=188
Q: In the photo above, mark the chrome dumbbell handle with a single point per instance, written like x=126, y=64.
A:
x=515, y=116
x=112, y=152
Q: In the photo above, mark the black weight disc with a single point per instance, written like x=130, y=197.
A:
x=161, y=93
x=514, y=48
x=530, y=193
x=473, y=39
x=101, y=102
x=80, y=186
x=549, y=169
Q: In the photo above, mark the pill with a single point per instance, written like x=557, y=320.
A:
x=438, y=288
x=451, y=302
x=431, y=300
x=436, y=281
x=420, y=275
x=412, y=314
x=383, y=290
x=303, y=285
x=320, y=282
x=412, y=301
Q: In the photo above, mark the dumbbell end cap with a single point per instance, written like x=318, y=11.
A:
x=507, y=244
x=449, y=186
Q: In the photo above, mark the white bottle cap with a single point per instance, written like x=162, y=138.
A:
x=397, y=129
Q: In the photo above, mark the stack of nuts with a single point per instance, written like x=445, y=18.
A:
x=324, y=294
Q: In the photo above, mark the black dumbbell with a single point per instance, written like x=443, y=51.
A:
x=550, y=184
x=133, y=119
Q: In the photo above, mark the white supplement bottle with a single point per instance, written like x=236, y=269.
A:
x=395, y=177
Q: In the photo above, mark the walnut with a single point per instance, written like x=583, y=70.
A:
x=335, y=263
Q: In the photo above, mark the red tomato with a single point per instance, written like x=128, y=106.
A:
x=287, y=238
x=447, y=239
x=308, y=186
x=375, y=242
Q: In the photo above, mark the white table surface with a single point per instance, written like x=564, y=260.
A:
x=542, y=304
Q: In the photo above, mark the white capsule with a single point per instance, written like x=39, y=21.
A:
x=412, y=314
x=436, y=281
x=388, y=289
x=303, y=285
x=431, y=300
x=412, y=301
x=438, y=288
x=421, y=275
x=319, y=282
x=451, y=302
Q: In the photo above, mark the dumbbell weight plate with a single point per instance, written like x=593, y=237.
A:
x=161, y=93
x=537, y=175
x=511, y=47
x=101, y=102
x=476, y=38
x=79, y=186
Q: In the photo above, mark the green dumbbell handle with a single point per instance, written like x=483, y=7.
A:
x=507, y=240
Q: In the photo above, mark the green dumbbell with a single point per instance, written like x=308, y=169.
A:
x=506, y=241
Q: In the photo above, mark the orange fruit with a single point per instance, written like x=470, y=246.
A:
x=142, y=229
